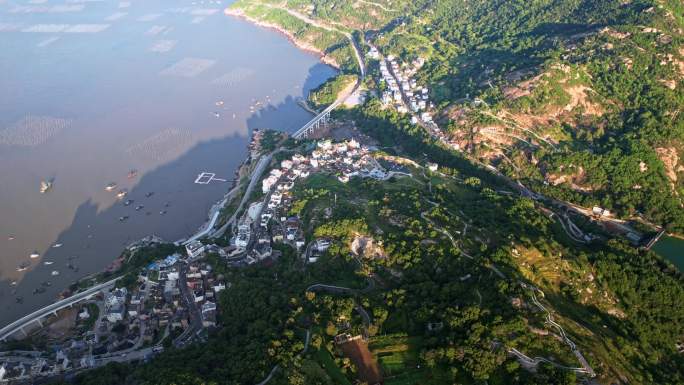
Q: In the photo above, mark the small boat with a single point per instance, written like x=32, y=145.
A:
x=34, y=255
x=46, y=284
x=234, y=116
x=10, y=238
x=39, y=290
x=57, y=245
x=149, y=194
x=19, y=300
x=217, y=115
x=48, y=263
x=132, y=174
x=139, y=207
x=167, y=204
x=121, y=194
x=123, y=218
x=128, y=202
x=110, y=187
x=162, y=212
x=219, y=103
x=45, y=186
x=23, y=266
x=13, y=283
x=54, y=273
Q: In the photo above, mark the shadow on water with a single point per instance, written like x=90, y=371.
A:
x=97, y=236
x=271, y=116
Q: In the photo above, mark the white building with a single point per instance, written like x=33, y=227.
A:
x=116, y=297
x=268, y=183
x=286, y=164
x=242, y=239
x=195, y=249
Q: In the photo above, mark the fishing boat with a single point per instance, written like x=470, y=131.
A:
x=45, y=186
x=34, y=255
x=132, y=174
x=54, y=273
x=121, y=194
x=110, y=187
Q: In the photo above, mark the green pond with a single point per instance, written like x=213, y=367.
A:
x=672, y=249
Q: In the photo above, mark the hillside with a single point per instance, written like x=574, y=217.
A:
x=450, y=279
x=577, y=99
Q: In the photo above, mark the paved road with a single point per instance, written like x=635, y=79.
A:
x=549, y=319
x=263, y=162
x=17, y=325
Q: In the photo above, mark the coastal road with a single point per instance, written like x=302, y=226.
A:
x=321, y=25
x=37, y=315
x=263, y=162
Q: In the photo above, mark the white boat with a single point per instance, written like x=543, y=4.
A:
x=56, y=245
x=55, y=272
x=121, y=194
x=34, y=255
x=110, y=187
x=23, y=266
x=45, y=186
x=48, y=262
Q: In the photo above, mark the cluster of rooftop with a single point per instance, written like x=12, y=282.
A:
x=174, y=295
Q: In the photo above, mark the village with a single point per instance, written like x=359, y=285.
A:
x=267, y=220
x=172, y=301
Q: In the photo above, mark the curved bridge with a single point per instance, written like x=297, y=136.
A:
x=37, y=315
